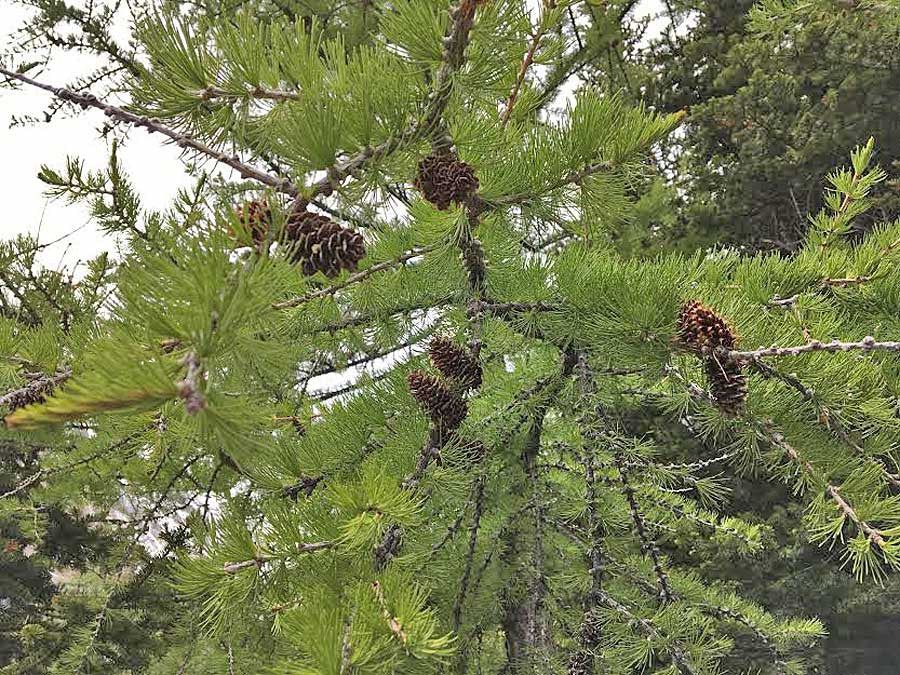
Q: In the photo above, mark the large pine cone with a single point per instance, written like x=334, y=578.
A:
x=444, y=178
x=256, y=220
x=699, y=327
x=455, y=362
x=321, y=245
x=446, y=408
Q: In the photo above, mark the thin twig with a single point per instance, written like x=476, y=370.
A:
x=155, y=126
x=867, y=344
x=470, y=553
x=212, y=92
x=527, y=61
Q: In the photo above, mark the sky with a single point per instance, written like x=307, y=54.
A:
x=154, y=167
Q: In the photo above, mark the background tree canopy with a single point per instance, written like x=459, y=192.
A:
x=454, y=372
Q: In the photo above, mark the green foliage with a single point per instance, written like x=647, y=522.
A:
x=323, y=530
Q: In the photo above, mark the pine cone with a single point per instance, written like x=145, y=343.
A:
x=699, y=328
x=30, y=394
x=444, y=178
x=455, y=362
x=446, y=408
x=702, y=331
x=321, y=245
x=472, y=257
x=727, y=384
x=256, y=218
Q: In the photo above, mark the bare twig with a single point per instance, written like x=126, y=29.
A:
x=260, y=560
x=155, y=126
x=212, y=92
x=470, y=553
x=527, y=61
x=648, y=544
x=867, y=344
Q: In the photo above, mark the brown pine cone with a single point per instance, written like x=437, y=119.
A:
x=703, y=332
x=444, y=178
x=727, y=384
x=446, y=408
x=33, y=393
x=455, y=362
x=699, y=328
x=321, y=245
x=255, y=218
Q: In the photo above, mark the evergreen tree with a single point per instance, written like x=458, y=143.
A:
x=476, y=495
x=776, y=98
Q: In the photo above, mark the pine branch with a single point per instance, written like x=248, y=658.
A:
x=867, y=344
x=778, y=440
x=679, y=658
x=44, y=473
x=829, y=418
x=470, y=553
x=717, y=612
x=527, y=198
x=356, y=278
x=648, y=544
x=462, y=18
x=526, y=63
x=833, y=491
x=155, y=126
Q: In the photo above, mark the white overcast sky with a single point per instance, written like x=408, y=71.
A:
x=153, y=167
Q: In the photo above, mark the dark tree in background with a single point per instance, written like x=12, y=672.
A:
x=774, y=103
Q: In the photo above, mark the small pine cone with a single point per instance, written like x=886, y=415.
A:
x=256, y=218
x=321, y=245
x=31, y=394
x=455, y=362
x=444, y=178
x=472, y=257
x=727, y=384
x=699, y=328
x=24, y=397
x=446, y=408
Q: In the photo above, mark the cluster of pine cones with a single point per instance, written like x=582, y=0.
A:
x=705, y=333
x=317, y=243
x=444, y=178
x=442, y=397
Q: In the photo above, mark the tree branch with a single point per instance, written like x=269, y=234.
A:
x=867, y=344
x=155, y=126
x=527, y=61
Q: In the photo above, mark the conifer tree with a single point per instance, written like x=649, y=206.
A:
x=474, y=495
